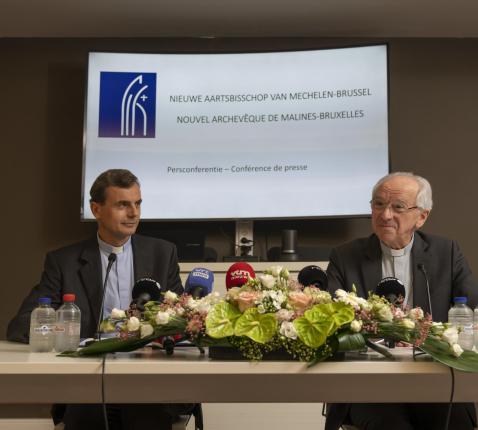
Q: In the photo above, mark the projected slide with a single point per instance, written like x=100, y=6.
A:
x=230, y=136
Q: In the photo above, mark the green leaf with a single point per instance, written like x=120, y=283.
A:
x=176, y=325
x=221, y=319
x=350, y=341
x=259, y=327
x=114, y=344
x=313, y=334
x=440, y=351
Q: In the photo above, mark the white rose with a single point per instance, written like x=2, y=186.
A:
x=398, y=314
x=118, y=314
x=285, y=273
x=203, y=307
x=192, y=303
x=284, y=315
x=275, y=270
x=146, y=330
x=180, y=311
x=232, y=293
x=416, y=314
x=456, y=350
x=162, y=318
x=356, y=326
x=384, y=313
x=267, y=281
x=450, y=335
x=133, y=324
x=170, y=296
x=288, y=330
x=340, y=293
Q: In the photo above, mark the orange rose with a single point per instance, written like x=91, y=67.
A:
x=299, y=301
x=246, y=300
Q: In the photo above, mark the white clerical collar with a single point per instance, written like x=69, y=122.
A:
x=110, y=249
x=397, y=252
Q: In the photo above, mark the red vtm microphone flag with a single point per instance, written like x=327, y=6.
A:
x=238, y=274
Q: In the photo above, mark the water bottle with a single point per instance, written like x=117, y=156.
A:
x=461, y=315
x=475, y=327
x=42, y=325
x=68, y=322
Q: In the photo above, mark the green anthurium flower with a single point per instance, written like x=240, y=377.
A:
x=313, y=333
x=221, y=319
x=259, y=327
x=339, y=313
x=322, y=321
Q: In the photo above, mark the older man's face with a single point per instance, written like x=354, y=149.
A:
x=395, y=229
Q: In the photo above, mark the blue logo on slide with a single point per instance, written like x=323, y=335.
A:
x=127, y=104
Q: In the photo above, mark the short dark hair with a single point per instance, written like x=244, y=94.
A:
x=121, y=178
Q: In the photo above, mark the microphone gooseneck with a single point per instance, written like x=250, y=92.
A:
x=111, y=260
x=422, y=269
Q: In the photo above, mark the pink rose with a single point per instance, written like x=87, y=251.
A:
x=246, y=300
x=299, y=301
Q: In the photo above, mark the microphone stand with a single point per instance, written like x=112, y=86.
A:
x=421, y=267
x=111, y=260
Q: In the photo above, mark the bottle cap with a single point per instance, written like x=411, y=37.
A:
x=44, y=301
x=460, y=300
x=69, y=297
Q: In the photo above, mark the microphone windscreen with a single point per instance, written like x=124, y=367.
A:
x=202, y=278
x=147, y=286
x=390, y=288
x=238, y=274
x=313, y=276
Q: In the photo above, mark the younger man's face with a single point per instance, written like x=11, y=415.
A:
x=119, y=215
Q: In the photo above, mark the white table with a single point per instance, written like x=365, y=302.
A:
x=146, y=376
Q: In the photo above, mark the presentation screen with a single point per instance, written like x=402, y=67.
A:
x=240, y=136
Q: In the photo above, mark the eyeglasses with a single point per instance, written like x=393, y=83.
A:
x=396, y=207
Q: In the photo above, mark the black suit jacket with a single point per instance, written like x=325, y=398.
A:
x=77, y=269
x=360, y=262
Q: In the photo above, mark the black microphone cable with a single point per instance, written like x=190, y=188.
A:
x=111, y=260
x=103, y=403
x=450, y=404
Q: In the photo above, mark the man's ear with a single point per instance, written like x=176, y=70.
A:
x=422, y=218
x=95, y=209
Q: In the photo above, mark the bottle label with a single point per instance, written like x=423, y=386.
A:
x=59, y=329
x=43, y=329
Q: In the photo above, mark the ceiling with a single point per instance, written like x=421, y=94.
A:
x=238, y=18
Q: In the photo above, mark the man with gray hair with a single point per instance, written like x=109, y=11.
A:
x=401, y=203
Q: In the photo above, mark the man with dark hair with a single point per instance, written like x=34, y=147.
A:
x=80, y=269
x=120, y=178
x=401, y=203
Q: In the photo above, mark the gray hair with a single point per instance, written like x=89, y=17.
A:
x=424, y=196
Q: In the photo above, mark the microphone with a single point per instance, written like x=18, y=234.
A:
x=238, y=274
x=199, y=283
x=313, y=276
x=422, y=268
x=145, y=290
x=391, y=289
x=111, y=260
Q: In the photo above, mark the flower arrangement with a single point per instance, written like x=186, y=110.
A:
x=272, y=312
